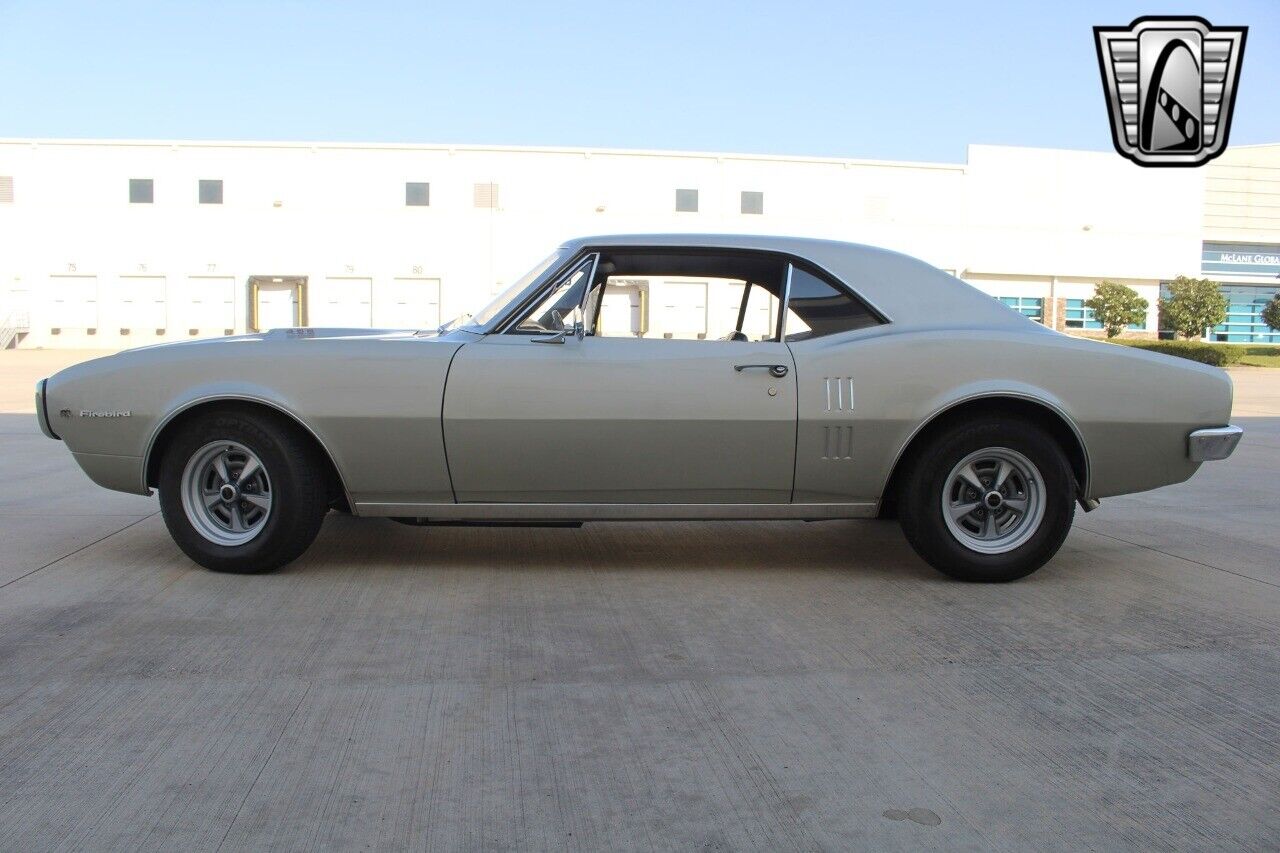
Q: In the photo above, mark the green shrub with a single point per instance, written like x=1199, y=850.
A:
x=1116, y=306
x=1193, y=305
x=1219, y=355
x=1271, y=313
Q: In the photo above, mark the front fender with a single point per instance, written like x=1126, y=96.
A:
x=228, y=392
x=373, y=403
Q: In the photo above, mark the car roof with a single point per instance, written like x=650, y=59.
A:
x=707, y=240
x=906, y=290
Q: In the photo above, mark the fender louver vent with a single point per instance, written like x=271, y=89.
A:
x=839, y=393
x=6, y=189
x=837, y=442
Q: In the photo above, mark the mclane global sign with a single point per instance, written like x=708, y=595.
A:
x=1241, y=259
x=1170, y=86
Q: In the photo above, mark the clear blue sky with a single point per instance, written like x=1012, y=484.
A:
x=896, y=80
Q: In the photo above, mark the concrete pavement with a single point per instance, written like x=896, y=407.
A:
x=716, y=685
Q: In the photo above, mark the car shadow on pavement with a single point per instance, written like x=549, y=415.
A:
x=863, y=546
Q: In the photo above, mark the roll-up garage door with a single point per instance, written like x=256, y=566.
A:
x=342, y=302
x=142, y=304
x=210, y=305
x=71, y=302
x=407, y=303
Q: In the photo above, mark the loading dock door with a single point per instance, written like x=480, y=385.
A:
x=622, y=311
x=407, y=303
x=684, y=310
x=277, y=307
x=143, y=306
x=210, y=305
x=342, y=303
x=277, y=302
x=760, y=321
x=72, y=302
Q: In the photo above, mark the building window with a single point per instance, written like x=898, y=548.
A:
x=1244, y=323
x=417, y=194
x=1028, y=306
x=486, y=195
x=211, y=192
x=141, y=191
x=752, y=202
x=1079, y=317
x=686, y=201
x=6, y=189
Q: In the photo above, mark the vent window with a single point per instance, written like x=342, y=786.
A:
x=211, y=192
x=418, y=194
x=486, y=195
x=141, y=191
x=752, y=202
x=686, y=201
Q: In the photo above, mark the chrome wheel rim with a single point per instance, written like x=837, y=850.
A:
x=994, y=500
x=226, y=493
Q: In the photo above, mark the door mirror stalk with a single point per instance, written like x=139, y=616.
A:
x=577, y=330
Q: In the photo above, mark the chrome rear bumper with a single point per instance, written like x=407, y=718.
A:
x=42, y=413
x=1206, y=445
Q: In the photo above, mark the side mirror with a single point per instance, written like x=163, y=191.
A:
x=577, y=330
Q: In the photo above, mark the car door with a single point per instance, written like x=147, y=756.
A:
x=570, y=416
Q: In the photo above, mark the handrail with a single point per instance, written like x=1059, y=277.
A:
x=15, y=323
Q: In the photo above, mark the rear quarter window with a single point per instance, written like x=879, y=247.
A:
x=819, y=308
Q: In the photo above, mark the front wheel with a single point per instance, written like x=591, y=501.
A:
x=241, y=491
x=988, y=501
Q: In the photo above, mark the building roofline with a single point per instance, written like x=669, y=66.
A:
x=1254, y=145
x=586, y=152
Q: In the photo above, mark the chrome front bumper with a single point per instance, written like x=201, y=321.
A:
x=42, y=413
x=1206, y=445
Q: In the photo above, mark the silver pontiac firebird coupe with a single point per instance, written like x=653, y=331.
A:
x=648, y=378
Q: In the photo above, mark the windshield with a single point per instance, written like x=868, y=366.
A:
x=500, y=302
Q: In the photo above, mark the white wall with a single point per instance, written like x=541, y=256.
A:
x=336, y=214
x=1242, y=195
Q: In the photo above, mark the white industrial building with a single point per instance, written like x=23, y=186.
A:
x=111, y=244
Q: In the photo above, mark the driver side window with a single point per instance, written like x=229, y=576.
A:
x=686, y=308
x=561, y=308
x=664, y=293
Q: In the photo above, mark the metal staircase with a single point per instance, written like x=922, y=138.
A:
x=15, y=323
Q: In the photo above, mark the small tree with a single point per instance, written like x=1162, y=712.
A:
x=1194, y=304
x=1116, y=306
x=1271, y=313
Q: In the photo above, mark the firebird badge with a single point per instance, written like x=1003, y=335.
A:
x=1171, y=86
x=113, y=413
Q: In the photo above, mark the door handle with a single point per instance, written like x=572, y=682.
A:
x=778, y=370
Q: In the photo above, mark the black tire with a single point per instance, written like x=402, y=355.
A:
x=298, y=490
x=926, y=484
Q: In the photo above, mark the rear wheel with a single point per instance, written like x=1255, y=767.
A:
x=241, y=491
x=988, y=500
